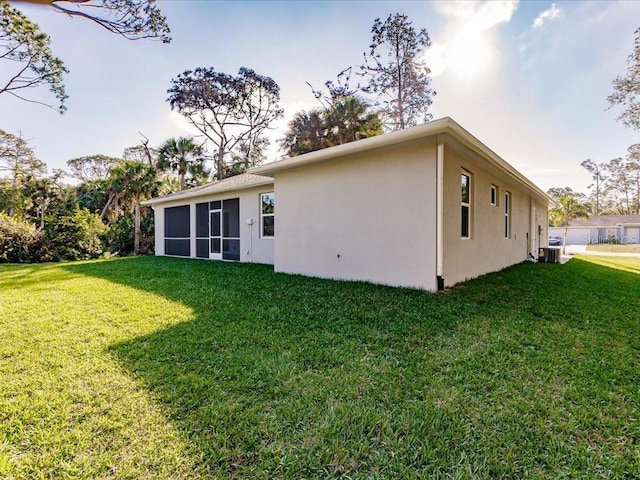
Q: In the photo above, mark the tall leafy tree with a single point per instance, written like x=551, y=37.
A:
x=396, y=74
x=621, y=185
x=21, y=167
x=345, y=120
x=182, y=156
x=626, y=89
x=633, y=159
x=27, y=60
x=25, y=49
x=599, y=176
x=232, y=112
x=134, y=182
x=92, y=167
x=133, y=19
x=569, y=207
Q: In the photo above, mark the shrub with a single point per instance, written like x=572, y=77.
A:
x=76, y=236
x=20, y=242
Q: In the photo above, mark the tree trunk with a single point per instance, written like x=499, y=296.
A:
x=564, y=240
x=400, y=105
x=220, y=163
x=106, y=206
x=136, y=232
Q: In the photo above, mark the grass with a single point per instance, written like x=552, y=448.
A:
x=175, y=368
x=629, y=248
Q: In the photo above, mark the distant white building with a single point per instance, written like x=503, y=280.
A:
x=425, y=207
x=598, y=229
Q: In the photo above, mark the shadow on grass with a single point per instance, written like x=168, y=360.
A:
x=291, y=376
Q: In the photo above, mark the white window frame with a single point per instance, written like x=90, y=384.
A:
x=466, y=205
x=493, y=195
x=265, y=215
x=507, y=214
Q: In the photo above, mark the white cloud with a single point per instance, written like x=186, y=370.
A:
x=551, y=14
x=478, y=16
x=467, y=47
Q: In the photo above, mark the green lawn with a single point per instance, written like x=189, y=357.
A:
x=174, y=368
x=630, y=248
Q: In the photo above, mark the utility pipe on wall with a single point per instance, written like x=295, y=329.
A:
x=439, y=214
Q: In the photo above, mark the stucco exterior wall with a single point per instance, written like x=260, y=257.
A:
x=368, y=216
x=253, y=248
x=487, y=249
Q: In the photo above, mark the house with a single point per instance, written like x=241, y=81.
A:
x=425, y=207
x=601, y=229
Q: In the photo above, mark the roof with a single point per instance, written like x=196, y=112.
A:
x=607, y=221
x=237, y=182
x=444, y=125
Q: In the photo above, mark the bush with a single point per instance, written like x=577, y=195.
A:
x=20, y=242
x=76, y=236
x=119, y=236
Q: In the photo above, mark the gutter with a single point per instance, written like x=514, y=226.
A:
x=439, y=215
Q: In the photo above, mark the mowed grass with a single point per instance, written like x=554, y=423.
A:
x=629, y=248
x=174, y=368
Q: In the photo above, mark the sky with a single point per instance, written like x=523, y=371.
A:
x=529, y=79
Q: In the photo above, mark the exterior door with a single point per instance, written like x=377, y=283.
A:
x=215, y=229
x=224, y=228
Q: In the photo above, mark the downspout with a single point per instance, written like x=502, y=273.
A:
x=440, y=215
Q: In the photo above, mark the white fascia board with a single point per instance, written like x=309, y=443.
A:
x=444, y=125
x=205, y=193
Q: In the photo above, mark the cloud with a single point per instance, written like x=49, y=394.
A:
x=551, y=14
x=465, y=47
x=478, y=16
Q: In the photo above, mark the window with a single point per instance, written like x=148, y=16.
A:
x=267, y=218
x=612, y=235
x=494, y=195
x=507, y=215
x=465, y=183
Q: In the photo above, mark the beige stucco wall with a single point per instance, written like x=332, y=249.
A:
x=253, y=248
x=487, y=250
x=369, y=216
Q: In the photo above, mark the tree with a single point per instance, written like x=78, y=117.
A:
x=92, y=167
x=395, y=73
x=597, y=171
x=135, y=182
x=182, y=156
x=633, y=159
x=232, y=112
x=626, y=90
x=19, y=162
x=345, y=120
x=621, y=185
x=569, y=208
x=29, y=60
x=27, y=49
x=133, y=19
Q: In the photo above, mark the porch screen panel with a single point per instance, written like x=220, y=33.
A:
x=176, y=222
x=177, y=231
x=231, y=229
x=202, y=220
x=202, y=247
x=202, y=230
x=179, y=247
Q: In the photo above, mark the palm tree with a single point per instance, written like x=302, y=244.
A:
x=567, y=209
x=134, y=182
x=182, y=155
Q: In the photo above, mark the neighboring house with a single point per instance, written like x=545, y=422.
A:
x=600, y=229
x=425, y=207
